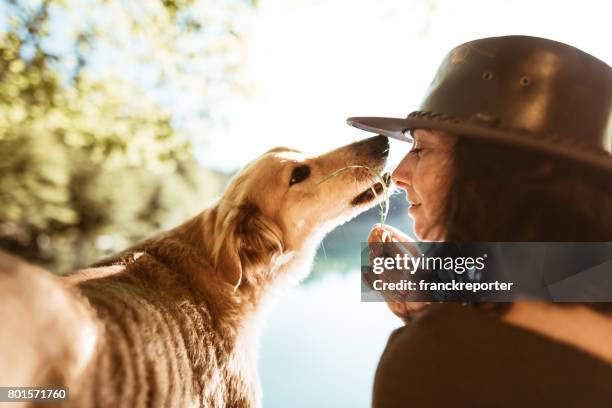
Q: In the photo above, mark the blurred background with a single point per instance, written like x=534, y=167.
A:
x=120, y=118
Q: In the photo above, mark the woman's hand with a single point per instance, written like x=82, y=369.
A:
x=381, y=233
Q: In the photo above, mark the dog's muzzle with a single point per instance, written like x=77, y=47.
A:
x=372, y=192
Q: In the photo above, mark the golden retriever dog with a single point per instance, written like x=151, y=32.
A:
x=177, y=317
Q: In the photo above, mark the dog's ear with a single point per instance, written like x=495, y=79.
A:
x=249, y=240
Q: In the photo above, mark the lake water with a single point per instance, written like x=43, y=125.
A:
x=322, y=344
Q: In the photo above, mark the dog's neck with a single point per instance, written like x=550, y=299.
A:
x=236, y=307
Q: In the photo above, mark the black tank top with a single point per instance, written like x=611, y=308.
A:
x=460, y=356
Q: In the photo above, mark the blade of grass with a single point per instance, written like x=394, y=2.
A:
x=384, y=204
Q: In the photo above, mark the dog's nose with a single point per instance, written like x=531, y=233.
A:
x=376, y=146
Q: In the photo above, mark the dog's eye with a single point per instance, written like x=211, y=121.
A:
x=300, y=173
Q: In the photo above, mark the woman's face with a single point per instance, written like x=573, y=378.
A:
x=425, y=174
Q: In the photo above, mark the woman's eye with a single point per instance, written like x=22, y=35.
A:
x=300, y=173
x=416, y=151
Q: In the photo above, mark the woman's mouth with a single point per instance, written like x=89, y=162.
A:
x=413, y=208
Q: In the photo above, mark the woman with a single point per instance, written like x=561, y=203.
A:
x=510, y=144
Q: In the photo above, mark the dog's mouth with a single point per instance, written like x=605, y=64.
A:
x=372, y=192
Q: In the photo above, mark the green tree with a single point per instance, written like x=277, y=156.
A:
x=94, y=153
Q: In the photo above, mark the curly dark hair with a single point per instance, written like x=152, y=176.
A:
x=504, y=193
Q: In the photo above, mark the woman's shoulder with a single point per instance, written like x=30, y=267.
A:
x=465, y=356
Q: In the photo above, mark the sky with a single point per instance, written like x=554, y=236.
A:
x=311, y=64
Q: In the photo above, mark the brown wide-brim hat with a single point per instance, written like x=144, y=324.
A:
x=526, y=91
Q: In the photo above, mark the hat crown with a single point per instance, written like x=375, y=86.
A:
x=519, y=90
x=529, y=84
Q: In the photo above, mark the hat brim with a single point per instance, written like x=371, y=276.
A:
x=396, y=127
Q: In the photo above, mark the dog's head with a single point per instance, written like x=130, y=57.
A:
x=282, y=204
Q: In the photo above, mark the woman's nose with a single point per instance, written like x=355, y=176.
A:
x=402, y=175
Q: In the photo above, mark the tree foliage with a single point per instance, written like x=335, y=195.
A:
x=94, y=151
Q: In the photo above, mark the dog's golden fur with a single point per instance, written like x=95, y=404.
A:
x=175, y=319
x=48, y=335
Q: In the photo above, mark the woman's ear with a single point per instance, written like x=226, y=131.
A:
x=249, y=240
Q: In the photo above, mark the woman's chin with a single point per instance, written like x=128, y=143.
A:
x=420, y=231
x=427, y=232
